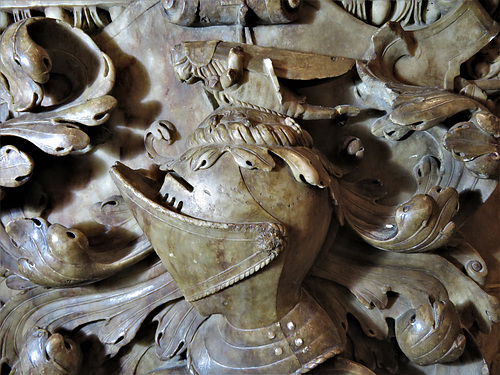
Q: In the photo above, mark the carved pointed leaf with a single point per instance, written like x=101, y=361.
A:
x=421, y=224
x=488, y=122
x=485, y=166
x=205, y=157
x=250, y=157
x=48, y=353
x=466, y=142
x=53, y=255
x=15, y=166
x=384, y=127
x=177, y=324
x=424, y=112
x=371, y=352
x=112, y=211
x=370, y=282
x=36, y=49
x=427, y=173
x=16, y=282
x=479, y=150
x=306, y=165
x=445, y=280
x=339, y=303
x=112, y=314
x=53, y=139
x=91, y=112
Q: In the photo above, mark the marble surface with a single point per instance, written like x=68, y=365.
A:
x=139, y=43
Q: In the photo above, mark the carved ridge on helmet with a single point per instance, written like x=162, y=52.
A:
x=254, y=139
x=241, y=126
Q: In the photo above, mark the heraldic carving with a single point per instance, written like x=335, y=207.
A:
x=249, y=187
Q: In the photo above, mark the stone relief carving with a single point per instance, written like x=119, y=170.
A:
x=244, y=228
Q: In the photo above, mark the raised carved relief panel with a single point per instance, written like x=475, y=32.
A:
x=249, y=187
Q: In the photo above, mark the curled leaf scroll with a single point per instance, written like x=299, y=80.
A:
x=52, y=86
x=334, y=240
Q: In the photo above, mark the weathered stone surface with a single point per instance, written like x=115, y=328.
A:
x=301, y=186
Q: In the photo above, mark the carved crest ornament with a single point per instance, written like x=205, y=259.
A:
x=249, y=187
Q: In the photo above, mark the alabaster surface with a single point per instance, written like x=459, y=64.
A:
x=249, y=187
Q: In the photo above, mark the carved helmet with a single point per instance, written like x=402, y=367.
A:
x=241, y=215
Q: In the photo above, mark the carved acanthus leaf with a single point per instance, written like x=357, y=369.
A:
x=46, y=62
x=53, y=255
x=391, y=271
x=382, y=281
x=479, y=150
x=372, y=352
x=384, y=127
x=427, y=173
x=417, y=108
x=55, y=132
x=112, y=314
x=46, y=353
x=421, y=224
x=15, y=166
x=177, y=324
x=424, y=111
x=113, y=212
x=371, y=285
x=370, y=333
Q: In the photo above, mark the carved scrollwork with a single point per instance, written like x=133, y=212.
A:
x=113, y=316
x=377, y=293
x=50, y=87
x=53, y=255
x=421, y=224
x=281, y=235
x=79, y=14
x=49, y=353
x=16, y=166
x=412, y=14
x=208, y=12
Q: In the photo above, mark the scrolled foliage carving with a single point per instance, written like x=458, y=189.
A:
x=244, y=228
x=54, y=80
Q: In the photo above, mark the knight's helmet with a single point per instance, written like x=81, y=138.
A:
x=238, y=222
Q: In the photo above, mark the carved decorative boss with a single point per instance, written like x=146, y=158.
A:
x=288, y=181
